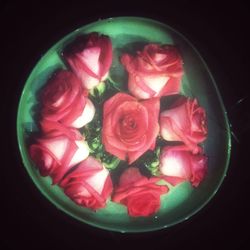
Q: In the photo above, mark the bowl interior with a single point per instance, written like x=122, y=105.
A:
x=182, y=201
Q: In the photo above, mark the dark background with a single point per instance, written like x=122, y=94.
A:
x=219, y=32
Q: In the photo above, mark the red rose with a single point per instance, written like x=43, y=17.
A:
x=178, y=164
x=155, y=71
x=90, y=58
x=64, y=100
x=185, y=121
x=140, y=194
x=89, y=185
x=130, y=127
x=58, y=151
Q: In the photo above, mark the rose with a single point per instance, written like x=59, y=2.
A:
x=57, y=151
x=178, y=164
x=90, y=58
x=140, y=194
x=155, y=71
x=130, y=127
x=185, y=121
x=64, y=100
x=89, y=185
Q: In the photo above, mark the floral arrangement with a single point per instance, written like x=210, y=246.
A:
x=93, y=128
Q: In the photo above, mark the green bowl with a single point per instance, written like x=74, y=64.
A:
x=182, y=201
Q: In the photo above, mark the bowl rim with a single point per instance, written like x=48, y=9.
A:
x=25, y=159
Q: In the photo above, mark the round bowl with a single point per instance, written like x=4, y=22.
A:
x=182, y=201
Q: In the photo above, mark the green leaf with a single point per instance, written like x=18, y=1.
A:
x=100, y=88
x=98, y=93
x=111, y=163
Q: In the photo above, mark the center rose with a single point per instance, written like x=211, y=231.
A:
x=130, y=127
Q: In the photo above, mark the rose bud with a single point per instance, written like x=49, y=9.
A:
x=130, y=127
x=178, y=164
x=140, y=194
x=90, y=58
x=64, y=100
x=88, y=185
x=185, y=121
x=155, y=71
x=57, y=151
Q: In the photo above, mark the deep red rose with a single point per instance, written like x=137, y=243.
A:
x=155, y=71
x=88, y=185
x=185, y=121
x=130, y=127
x=140, y=194
x=64, y=100
x=90, y=58
x=178, y=164
x=57, y=151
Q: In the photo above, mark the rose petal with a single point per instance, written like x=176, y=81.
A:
x=156, y=83
x=90, y=57
x=86, y=116
x=174, y=163
x=172, y=87
x=81, y=153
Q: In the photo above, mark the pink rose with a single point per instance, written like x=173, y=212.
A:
x=178, y=164
x=64, y=100
x=130, y=127
x=57, y=151
x=185, y=121
x=89, y=185
x=140, y=194
x=90, y=58
x=155, y=71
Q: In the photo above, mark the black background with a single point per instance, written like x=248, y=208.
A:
x=219, y=32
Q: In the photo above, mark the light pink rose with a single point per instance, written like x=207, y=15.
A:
x=57, y=151
x=155, y=71
x=184, y=121
x=65, y=101
x=178, y=164
x=90, y=58
x=88, y=185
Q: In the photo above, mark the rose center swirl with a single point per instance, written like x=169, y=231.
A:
x=131, y=122
x=128, y=123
